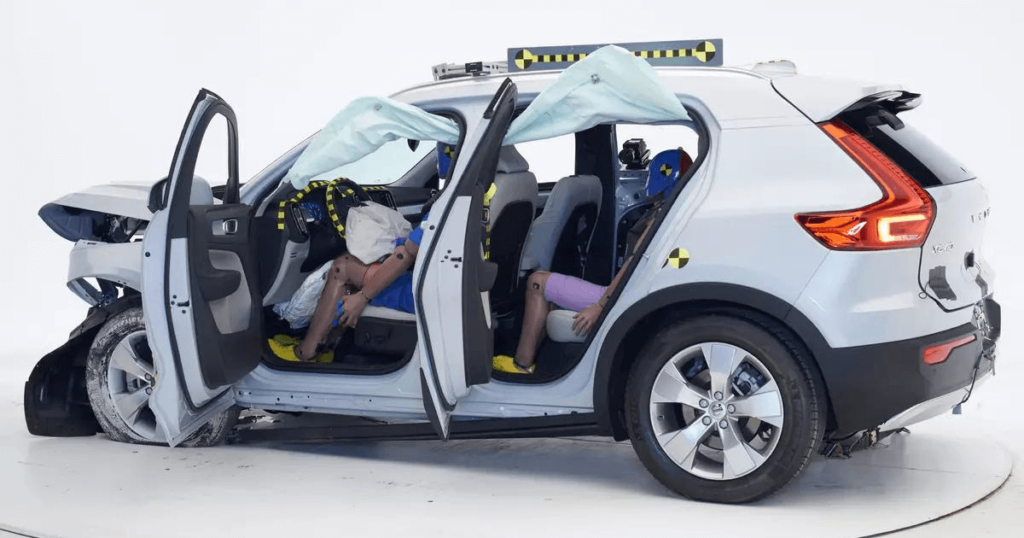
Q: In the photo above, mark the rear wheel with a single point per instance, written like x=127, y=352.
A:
x=120, y=376
x=724, y=410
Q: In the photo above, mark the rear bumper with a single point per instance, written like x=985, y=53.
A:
x=890, y=385
x=934, y=407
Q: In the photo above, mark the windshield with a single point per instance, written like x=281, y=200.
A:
x=385, y=165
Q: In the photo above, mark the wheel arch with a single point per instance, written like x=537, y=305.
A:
x=670, y=305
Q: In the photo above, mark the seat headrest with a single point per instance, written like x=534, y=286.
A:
x=665, y=169
x=202, y=193
x=511, y=162
x=445, y=152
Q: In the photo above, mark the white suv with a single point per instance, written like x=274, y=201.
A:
x=815, y=282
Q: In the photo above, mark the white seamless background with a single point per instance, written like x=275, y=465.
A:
x=96, y=92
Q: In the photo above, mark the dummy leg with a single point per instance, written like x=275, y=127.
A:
x=326, y=308
x=535, y=316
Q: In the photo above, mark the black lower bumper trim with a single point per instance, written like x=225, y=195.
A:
x=870, y=384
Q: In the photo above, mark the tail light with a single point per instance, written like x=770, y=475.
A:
x=940, y=352
x=900, y=219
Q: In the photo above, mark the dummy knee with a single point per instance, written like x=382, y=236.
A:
x=338, y=266
x=536, y=282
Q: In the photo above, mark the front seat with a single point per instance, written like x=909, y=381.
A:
x=509, y=216
x=560, y=237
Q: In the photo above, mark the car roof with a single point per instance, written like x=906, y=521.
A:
x=818, y=98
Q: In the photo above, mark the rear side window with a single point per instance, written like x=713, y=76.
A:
x=924, y=160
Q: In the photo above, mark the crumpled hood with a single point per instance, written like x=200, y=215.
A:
x=121, y=199
x=85, y=215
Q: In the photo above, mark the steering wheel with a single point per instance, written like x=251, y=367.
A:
x=337, y=191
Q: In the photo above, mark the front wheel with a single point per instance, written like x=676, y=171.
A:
x=724, y=410
x=120, y=376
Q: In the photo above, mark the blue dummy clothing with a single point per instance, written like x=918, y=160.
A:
x=397, y=296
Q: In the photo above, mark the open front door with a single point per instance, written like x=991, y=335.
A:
x=456, y=344
x=200, y=292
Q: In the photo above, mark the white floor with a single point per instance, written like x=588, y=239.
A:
x=93, y=487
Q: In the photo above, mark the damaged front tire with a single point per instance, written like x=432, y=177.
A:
x=120, y=375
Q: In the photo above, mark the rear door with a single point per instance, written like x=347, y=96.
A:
x=200, y=288
x=456, y=344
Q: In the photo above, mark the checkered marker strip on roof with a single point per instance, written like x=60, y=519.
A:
x=693, y=52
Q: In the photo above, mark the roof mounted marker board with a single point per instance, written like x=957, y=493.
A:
x=693, y=52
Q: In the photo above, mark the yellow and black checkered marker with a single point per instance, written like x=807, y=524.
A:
x=330, y=198
x=665, y=170
x=332, y=209
x=491, y=191
x=296, y=199
x=524, y=58
x=706, y=52
x=677, y=259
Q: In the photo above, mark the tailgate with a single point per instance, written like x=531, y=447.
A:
x=953, y=271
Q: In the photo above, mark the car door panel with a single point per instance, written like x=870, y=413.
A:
x=228, y=310
x=456, y=345
x=200, y=289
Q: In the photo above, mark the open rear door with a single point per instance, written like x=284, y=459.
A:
x=456, y=344
x=200, y=292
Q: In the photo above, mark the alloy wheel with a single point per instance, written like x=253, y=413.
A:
x=717, y=411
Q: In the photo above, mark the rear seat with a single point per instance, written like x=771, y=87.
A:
x=560, y=236
x=559, y=327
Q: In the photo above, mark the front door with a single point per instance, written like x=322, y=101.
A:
x=200, y=288
x=456, y=344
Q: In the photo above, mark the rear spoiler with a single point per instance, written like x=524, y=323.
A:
x=894, y=101
x=822, y=99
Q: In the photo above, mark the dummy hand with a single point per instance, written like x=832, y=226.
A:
x=352, y=309
x=585, y=319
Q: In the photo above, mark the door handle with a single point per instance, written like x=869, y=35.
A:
x=230, y=226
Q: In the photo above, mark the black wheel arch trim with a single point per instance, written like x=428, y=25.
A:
x=710, y=292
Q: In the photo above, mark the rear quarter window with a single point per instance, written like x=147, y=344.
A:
x=925, y=161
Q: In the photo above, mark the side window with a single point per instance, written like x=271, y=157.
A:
x=389, y=163
x=550, y=159
x=631, y=198
x=659, y=137
x=212, y=160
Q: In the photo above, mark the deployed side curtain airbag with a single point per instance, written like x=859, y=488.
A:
x=361, y=128
x=610, y=85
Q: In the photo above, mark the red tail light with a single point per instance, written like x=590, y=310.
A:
x=940, y=352
x=900, y=219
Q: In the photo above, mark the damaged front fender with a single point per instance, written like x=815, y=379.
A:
x=56, y=401
x=119, y=263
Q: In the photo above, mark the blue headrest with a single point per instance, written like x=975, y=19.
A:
x=445, y=152
x=665, y=169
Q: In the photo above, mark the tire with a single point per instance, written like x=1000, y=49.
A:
x=118, y=393
x=787, y=394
